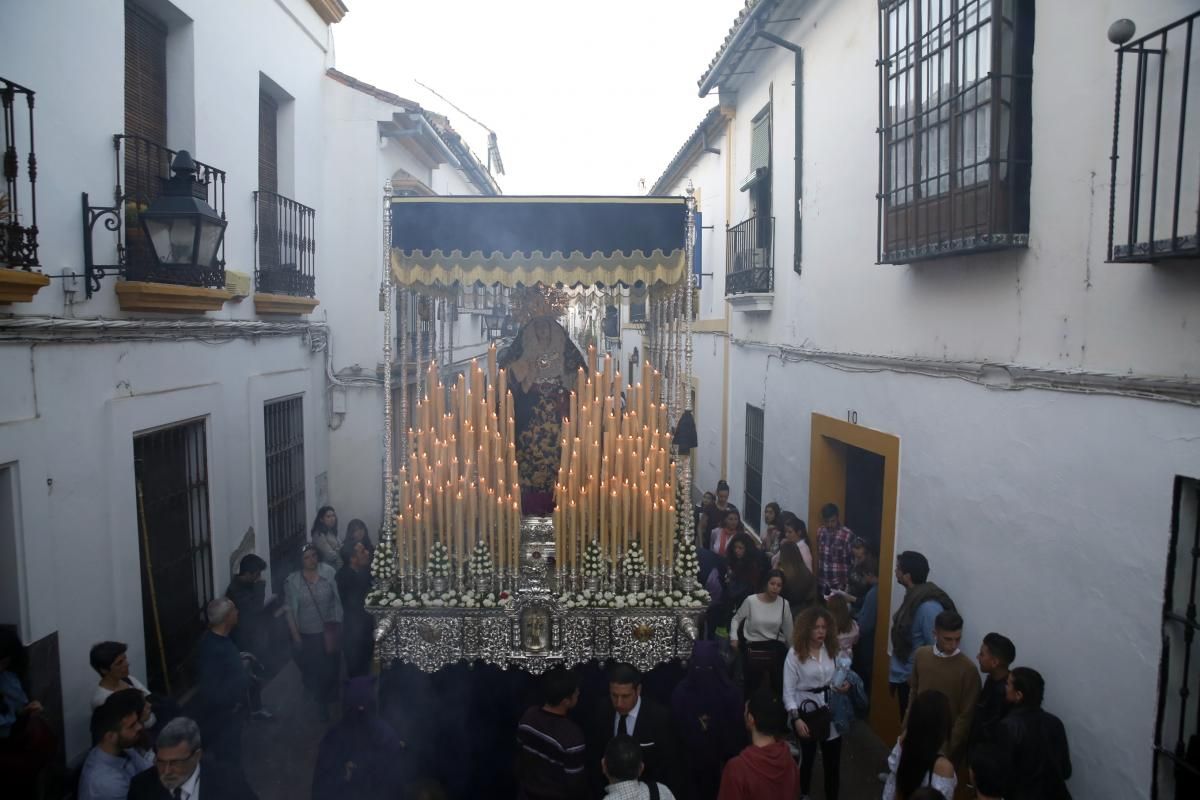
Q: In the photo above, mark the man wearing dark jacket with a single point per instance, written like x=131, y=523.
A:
x=180, y=771
x=1034, y=740
x=625, y=711
x=222, y=684
x=764, y=770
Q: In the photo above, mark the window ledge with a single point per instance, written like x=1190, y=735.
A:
x=19, y=286
x=284, y=304
x=751, y=302
x=169, y=297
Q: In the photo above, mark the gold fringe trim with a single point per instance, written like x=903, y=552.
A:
x=438, y=268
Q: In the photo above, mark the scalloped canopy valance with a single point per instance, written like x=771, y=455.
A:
x=511, y=241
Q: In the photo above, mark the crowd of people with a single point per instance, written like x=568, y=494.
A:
x=783, y=672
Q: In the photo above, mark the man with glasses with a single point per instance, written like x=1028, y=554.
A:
x=179, y=773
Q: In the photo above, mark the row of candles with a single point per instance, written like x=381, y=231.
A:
x=460, y=486
x=616, y=480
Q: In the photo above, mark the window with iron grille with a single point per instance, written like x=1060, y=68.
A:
x=955, y=126
x=752, y=508
x=1177, y=724
x=171, y=473
x=283, y=426
x=1154, y=200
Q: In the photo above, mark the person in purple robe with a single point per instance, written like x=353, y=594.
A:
x=361, y=756
x=707, y=710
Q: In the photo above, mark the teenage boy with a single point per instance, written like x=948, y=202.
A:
x=944, y=667
x=996, y=654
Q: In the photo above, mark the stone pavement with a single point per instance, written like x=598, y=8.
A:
x=279, y=754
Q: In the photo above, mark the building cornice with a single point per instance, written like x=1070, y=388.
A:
x=330, y=11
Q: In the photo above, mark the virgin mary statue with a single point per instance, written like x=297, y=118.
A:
x=543, y=364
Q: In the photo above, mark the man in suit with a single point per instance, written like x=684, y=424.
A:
x=180, y=774
x=626, y=712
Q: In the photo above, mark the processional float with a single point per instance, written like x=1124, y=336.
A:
x=539, y=511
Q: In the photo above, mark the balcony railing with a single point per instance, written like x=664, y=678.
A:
x=1155, y=215
x=145, y=164
x=285, y=245
x=18, y=218
x=748, y=266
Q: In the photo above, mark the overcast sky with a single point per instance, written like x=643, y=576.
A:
x=585, y=98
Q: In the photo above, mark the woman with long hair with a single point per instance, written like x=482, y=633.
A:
x=807, y=682
x=772, y=535
x=917, y=758
x=799, y=584
x=796, y=532
x=748, y=568
x=762, y=630
x=356, y=531
x=315, y=619
x=324, y=535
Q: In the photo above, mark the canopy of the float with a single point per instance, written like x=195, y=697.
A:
x=520, y=241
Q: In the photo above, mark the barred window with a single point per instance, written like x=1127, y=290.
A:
x=955, y=137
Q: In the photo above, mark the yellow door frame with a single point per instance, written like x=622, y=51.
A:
x=827, y=484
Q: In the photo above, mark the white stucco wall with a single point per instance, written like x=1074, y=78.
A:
x=1045, y=514
x=69, y=411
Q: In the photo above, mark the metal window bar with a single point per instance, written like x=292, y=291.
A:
x=754, y=466
x=951, y=70
x=1150, y=190
x=18, y=236
x=141, y=166
x=748, y=250
x=284, y=245
x=1176, y=731
x=171, y=464
x=283, y=426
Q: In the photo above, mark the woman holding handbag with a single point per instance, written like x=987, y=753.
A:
x=315, y=621
x=761, y=630
x=807, y=681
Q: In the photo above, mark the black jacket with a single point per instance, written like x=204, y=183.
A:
x=653, y=730
x=217, y=782
x=1039, y=758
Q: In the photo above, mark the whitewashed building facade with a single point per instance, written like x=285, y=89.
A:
x=238, y=398
x=915, y=314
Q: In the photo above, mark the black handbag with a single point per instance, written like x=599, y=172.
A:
x=818, y=718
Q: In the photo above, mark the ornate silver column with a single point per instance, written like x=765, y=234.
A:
x=385, y=305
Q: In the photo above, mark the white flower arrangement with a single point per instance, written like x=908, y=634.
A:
x=448, y=599
x=593, y=560
x=655, y=599
x=634, y=565
x=481, y=565
x=687, y=564
x=439, y=561
x=383, y=563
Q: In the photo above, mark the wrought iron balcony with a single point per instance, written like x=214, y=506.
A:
x=18, y=218
x=145, y=165
x=1156, y=214
x=748, y=267
x=142, y=167
x=285, y=245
